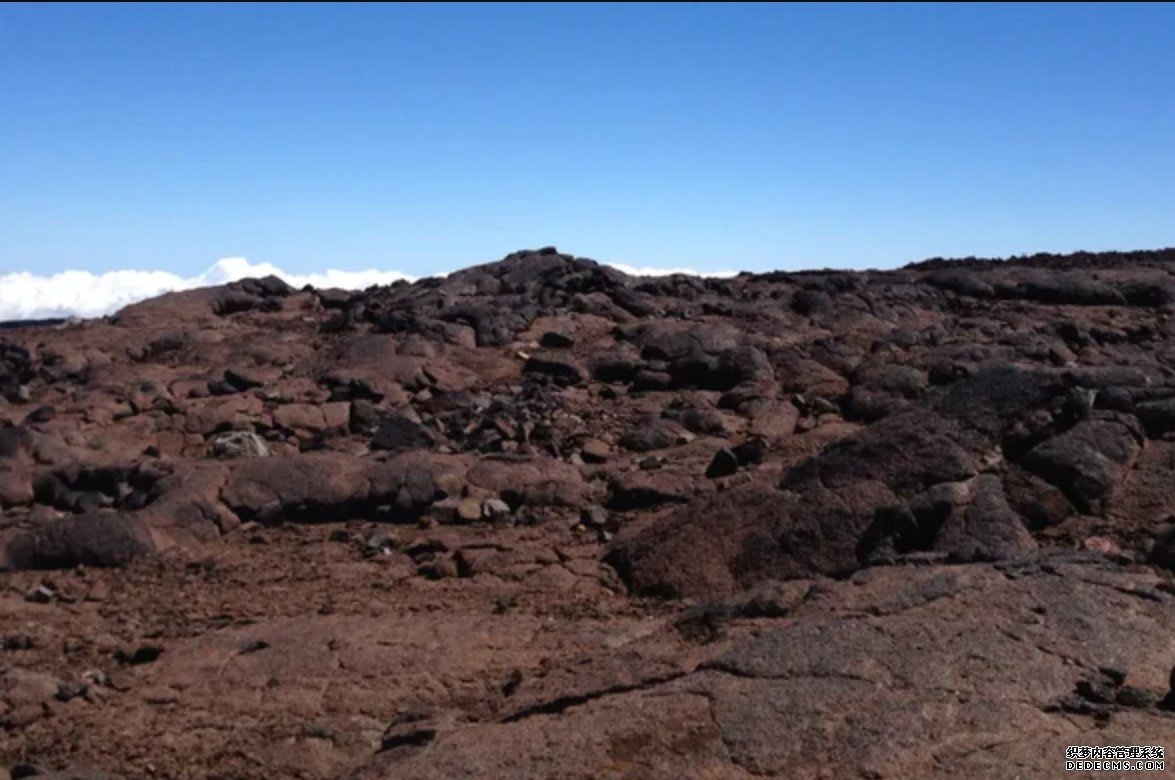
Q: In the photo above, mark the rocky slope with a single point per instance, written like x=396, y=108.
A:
x=542, y=519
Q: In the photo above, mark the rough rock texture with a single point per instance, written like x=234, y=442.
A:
x=543, y=519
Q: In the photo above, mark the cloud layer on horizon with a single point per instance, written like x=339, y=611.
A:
x=25, y=296
x=28, y=296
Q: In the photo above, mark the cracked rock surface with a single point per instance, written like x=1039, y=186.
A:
x=543, y=519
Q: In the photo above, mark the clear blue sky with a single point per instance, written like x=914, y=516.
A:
x=423, y=138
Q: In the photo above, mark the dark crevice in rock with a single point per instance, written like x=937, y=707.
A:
x=563, y=703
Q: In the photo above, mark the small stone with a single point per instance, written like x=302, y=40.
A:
x=44, y=594
x=469, y=510
x=1115, y=674
x=411, y=730
x=239, y=444
x=451, y=483
x=1129, y=696
x=821, y=405
x=441, y=568
x=381, y=541
x=397, y=434
x=594, y=516
x=750, y=451
x=424, y=549
x=221, y=387
x=95, y=677
x=723, y=464
x=317, y=731
x=505, y=427
x=336, y=416
x=119, y=681
x=143, y=654
x=512, y=681
x=647, y=435
x=300, y=417
x=160, y=696
x=494, y=509
x=552, y=340
x=17, y=642
x=709, y=422
x=650, y=464
x=559, y=370
x=1162, y=552
x=595, y=451
x=1101, y=544
x=363, y=417
x=339, y=535
x=1096, y=691
x=242, y=379
x=42, y=414
x=71, y=690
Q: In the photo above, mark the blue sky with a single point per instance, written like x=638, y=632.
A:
x=424, y=138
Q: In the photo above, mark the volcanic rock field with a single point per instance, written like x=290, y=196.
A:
x=541, y=519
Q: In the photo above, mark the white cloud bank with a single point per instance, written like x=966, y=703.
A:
x=647, y=271
x=27, y=296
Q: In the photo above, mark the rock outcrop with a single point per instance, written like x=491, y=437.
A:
x=540, y=518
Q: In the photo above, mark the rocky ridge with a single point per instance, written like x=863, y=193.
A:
x=540, y=518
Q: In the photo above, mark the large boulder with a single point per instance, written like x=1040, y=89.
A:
x=92, y=539
x=851, y=503
x=321, y=487
x=1087, y=461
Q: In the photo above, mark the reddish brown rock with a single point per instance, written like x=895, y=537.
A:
x=940, y=499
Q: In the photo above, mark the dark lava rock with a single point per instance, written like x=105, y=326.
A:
x=1162, y=552
x=1158, y=417
x=709, y=422
x=143, y=654
x=363, y=417
x=14, y=441
x=594, y=516
x=1128, y=696
x=242, y=379
x=92, y=539
x=265, y=287
x=560, y=370
x=941, y=523
x=16, y=371
x=552, y=340
x=1088, y=460
x=396, y=434
x=723, y=464
x=831, y=512
x=750, y=452
x=649, y=434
